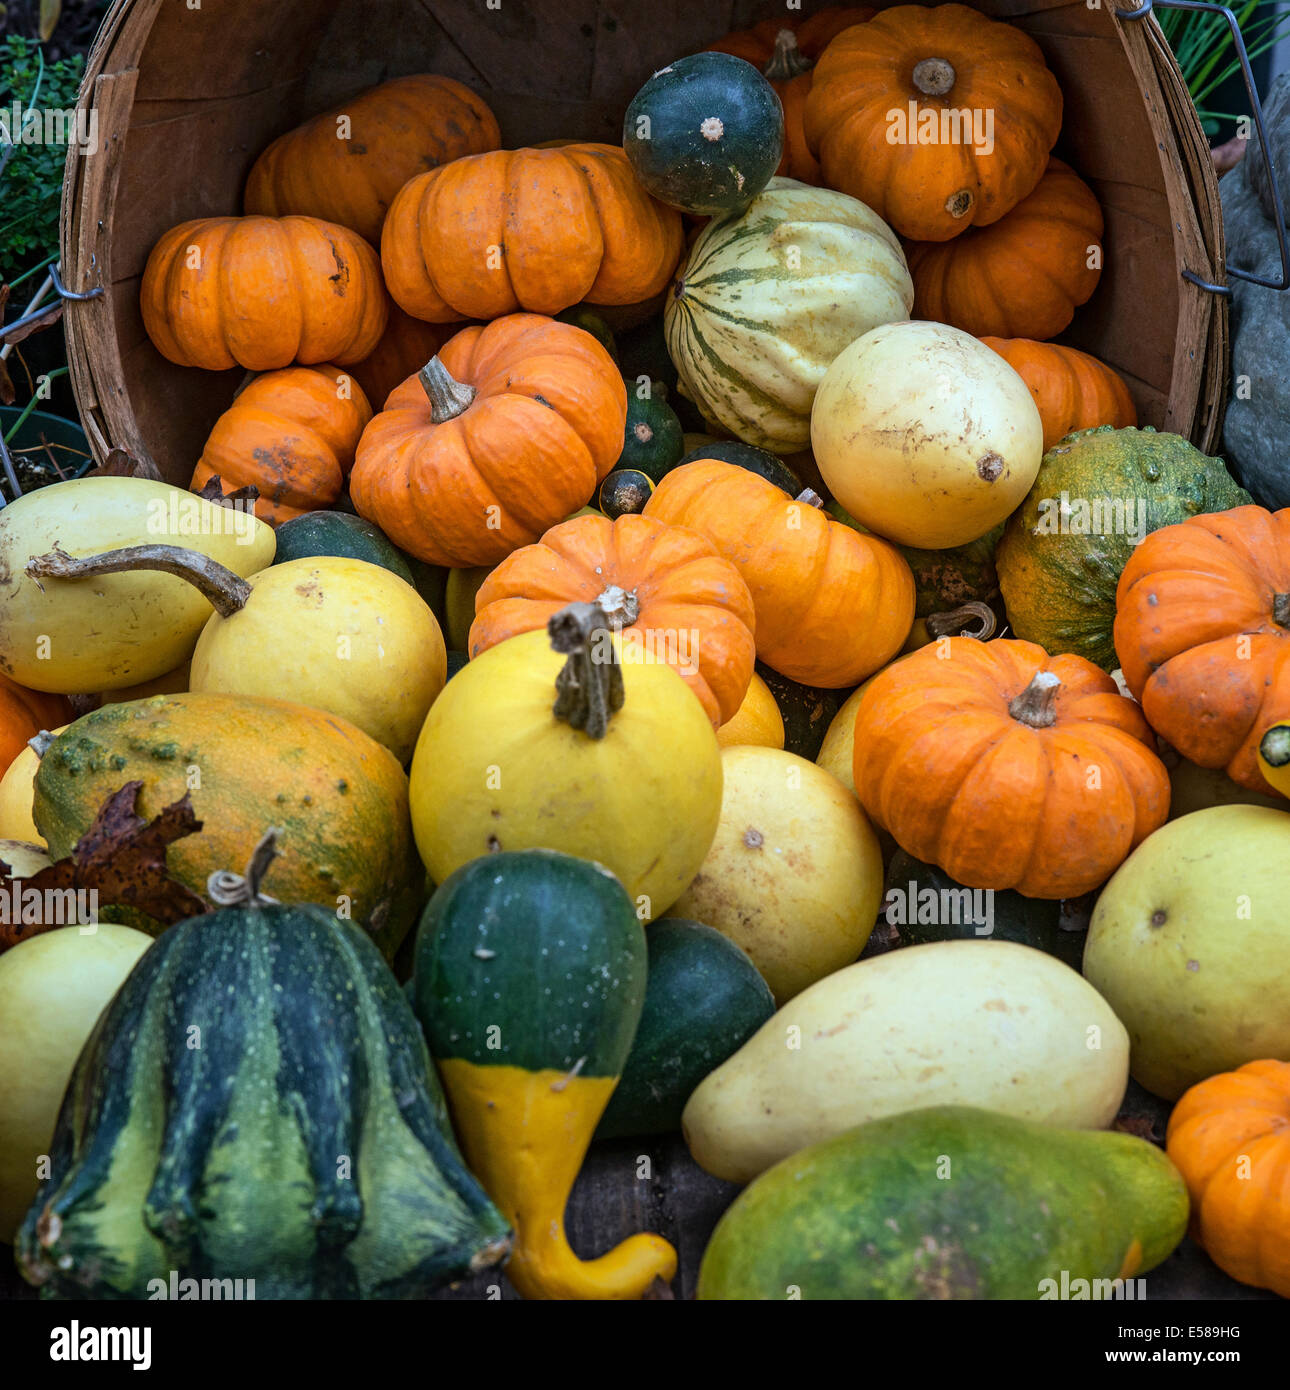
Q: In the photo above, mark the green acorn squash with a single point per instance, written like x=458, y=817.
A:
x=760, y=461
x=653, y=440
x=591, y=322
x=529, y=982
x=338, y=533
x=703, y=1000
x=256, y=1103
x=1098, y=493
x=705, y=134
x=949, y=1203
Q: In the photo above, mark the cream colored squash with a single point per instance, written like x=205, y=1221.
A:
x=335, y=634
x=794, y=875
x=52, y=989
x=24, y=858
x=756, y=721
x=768, y=299
x=925, y=435
x=990, y=1024
x=16, y=795
x=78, y=636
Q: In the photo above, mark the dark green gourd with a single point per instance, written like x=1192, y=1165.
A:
x=257, y=1103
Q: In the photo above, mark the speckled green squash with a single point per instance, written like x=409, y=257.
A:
x=1005, y=916
x=948, y=1203
x=338, y=533
x=653, y=440
x=257, y=1103
x=338, y=798
x=760, y=461
x=1058, y=581
x=703, y=1000
x=705, y=133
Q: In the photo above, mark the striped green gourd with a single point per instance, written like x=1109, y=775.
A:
x=767, y=299
x=257, y=1103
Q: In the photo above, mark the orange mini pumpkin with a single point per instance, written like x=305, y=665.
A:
x=394, y=132
x=23, y=714
x=1073, y=389
x=786, y=51
x=884, y=116
x=665, y=589
x=1023, y=277
x=534, y=229
x=1202, y=618
x=497, y=439
x=1006, y=767
x=262, y=293
x=292, y=433
x=832, y=604
x=1229, y=1137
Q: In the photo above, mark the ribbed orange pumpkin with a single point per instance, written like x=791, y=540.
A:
x=535, y=229
x=879, y=85
x=23, y=714
x=1024, y=276
x=293, y=434
x=405, y=347
x=665, y=588
x=350, y=173
x=1073, y=389
x=498, y=438
x=786, y=51
x=1202, y=618
x=1008, y=768
x=262, y=293
x=1229, y=1137
x=832, y=604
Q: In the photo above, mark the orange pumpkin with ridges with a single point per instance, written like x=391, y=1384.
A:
x=23, y=714
x=262, y=293
x=532, y=229
x=405, y=347
x=1006, y=767
x=832, y=604
x=292, y=433
x=496, y=440
x=664, y=588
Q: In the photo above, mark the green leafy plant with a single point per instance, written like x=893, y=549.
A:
x=32, y=174
x=1206, y=51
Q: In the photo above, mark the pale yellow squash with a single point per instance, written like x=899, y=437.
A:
x=78, y=636
x=52, y=989
x=16, y=795
x=756, y=721
x=925, y=435
x=990, y=1024
x=335, y=634
x=794, y=875
x=459, y=604
x=24, y=858
x=495, y=769
x=836, y=751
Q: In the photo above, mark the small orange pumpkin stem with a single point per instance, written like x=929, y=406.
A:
x=1281, y=609
x=620, y=606
x=811, y=498
x=934, y=77
x=448, y=396
x=589, y=688
x=1037, y=703
x=226, y=592
x=952, y=623
x=788, y=60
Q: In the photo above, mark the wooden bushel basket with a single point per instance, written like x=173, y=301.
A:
x=185, y=98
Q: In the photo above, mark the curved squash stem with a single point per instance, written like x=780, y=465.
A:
x=1037, y=703
x=589, y=688
x=787, y=61
x=226, y=592
x=448, y=396
x=952, y=623
x=227, y=889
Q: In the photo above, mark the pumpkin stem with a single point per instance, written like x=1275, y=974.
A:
x=952, y=623
x=589, y=688
x=811, y=498
x=934, y=77
x=788, y=60
x=448, y=396
x=1281, y=609
x=1037, y=703
x=226, y=592
x=227, y=889
x=620, y=606
x=40, y=745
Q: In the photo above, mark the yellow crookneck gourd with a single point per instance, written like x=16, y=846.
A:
x=529, y=982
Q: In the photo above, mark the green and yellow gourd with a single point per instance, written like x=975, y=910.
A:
x=949, y=1203
x=303, y=1145
x=1098, y=493
x=529, y=982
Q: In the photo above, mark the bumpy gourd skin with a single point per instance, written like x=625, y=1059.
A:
x=948, y=1203
x=257, y=1103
